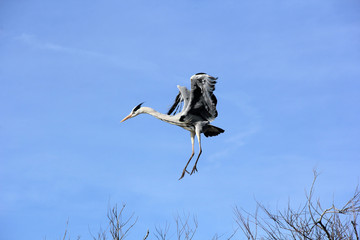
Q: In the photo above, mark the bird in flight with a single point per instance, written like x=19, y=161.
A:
x=198, y=110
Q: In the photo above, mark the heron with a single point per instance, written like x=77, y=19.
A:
x=198, y=110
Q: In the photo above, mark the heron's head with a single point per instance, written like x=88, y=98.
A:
x=134, y=112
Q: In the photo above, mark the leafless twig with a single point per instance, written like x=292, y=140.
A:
x=119, y=228
x=310, y=221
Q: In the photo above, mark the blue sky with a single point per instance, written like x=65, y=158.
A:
x=288, y=98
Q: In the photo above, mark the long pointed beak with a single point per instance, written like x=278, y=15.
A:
x=126, y=118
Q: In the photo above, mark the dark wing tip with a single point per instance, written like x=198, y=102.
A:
x=175, y=105
x=200, y=73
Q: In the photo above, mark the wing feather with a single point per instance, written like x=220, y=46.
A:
x=181, y=99
x=202, y=102
x=176, y=104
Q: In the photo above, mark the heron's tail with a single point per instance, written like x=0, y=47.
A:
x=211, y=131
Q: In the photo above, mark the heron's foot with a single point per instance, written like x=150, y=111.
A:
x=193, y=170
x=182, y=118
x=183, y=173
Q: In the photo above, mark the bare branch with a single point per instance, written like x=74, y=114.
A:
x=67, y=225
x=309, y=221
x=147, y=234
x=161, y=233
x=119, y=228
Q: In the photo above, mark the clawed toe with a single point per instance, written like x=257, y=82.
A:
x=193, y=170
x=183, y=173
x=186, y=171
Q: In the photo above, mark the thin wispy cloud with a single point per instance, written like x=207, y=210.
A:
x=128, y=62
x=35, y=42
x=237, y=137
x=240, y=104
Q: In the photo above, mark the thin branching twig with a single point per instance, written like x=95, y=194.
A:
x=310, y=221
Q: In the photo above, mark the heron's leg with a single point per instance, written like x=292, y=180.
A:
x=198, y=135
x=192, y=135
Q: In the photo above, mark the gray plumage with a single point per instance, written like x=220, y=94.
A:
x=200, y=102
x=198, y=109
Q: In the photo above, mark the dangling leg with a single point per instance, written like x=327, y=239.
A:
x=192, y=135
x=198, y=135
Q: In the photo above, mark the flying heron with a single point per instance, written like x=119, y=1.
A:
x=198, y=110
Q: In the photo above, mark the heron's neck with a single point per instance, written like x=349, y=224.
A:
x=163, y=117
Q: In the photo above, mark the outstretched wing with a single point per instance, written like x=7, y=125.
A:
x=202, y=101
x=181, y=99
